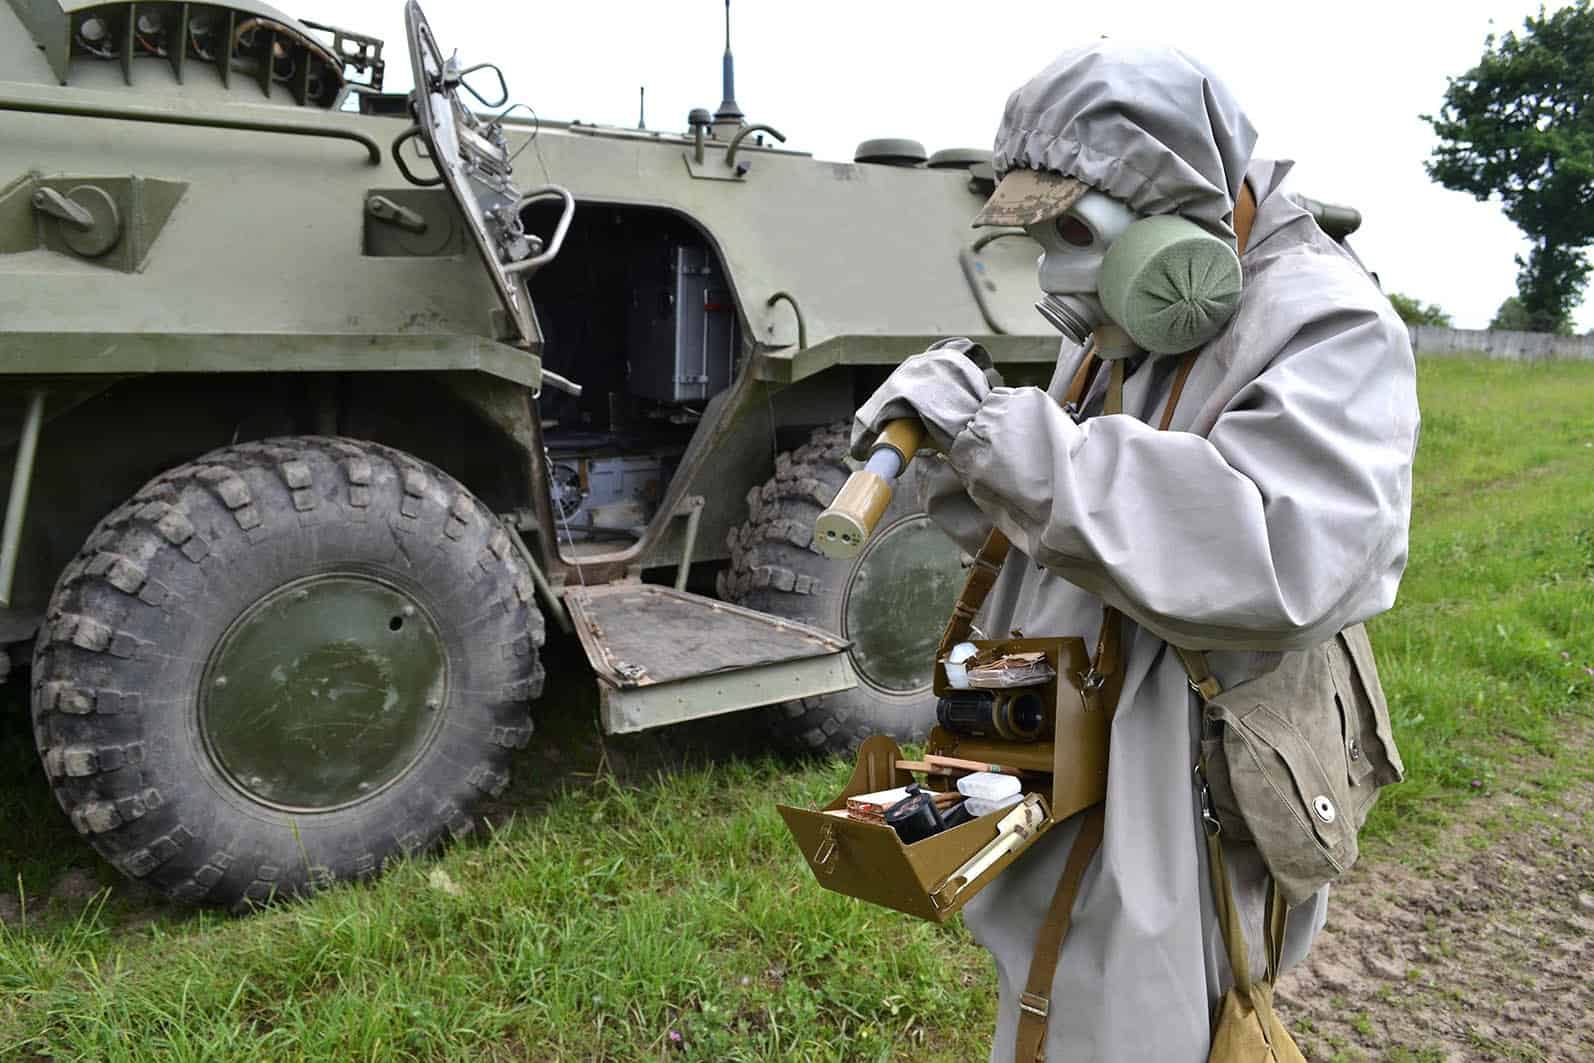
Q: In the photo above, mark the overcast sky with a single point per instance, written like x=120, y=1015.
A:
x=1338, y=87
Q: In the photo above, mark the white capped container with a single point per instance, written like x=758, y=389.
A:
x=989, y=786
x=957, y=673
x=979, y=806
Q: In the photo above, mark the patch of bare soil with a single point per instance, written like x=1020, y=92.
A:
x=1478, y=947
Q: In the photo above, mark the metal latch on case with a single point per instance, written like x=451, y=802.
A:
x=825, y=854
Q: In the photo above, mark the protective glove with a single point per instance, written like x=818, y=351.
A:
x=943, y=387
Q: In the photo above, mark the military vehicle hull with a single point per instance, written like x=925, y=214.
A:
x=261, y=395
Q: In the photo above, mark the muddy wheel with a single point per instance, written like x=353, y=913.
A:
x=282, y=664
x=891, y=602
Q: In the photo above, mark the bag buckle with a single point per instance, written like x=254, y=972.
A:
x=1092, y=681
x=1209, y=816
x=1035, y=1004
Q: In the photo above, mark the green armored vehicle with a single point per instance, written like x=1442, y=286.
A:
x=313, y=407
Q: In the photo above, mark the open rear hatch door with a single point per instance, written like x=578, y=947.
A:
x=664, y=656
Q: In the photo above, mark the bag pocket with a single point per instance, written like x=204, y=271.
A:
x=1293, y=804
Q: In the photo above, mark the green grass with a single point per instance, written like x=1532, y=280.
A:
x=661, y=910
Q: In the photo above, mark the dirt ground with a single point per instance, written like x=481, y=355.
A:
x=1478, y=947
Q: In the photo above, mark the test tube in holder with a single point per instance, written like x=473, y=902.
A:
x=843, y=528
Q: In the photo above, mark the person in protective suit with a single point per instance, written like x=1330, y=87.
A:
x=1270, y=515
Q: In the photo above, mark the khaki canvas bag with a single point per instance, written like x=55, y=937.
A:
x=1295, y=758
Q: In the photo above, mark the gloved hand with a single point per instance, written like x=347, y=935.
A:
x=943, y=387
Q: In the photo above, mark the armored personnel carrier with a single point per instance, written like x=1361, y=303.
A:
x=315, y=408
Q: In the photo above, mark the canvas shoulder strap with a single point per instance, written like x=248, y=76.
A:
x=1103, y=682
x=993, y=552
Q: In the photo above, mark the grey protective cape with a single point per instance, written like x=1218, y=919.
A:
x=1273, y=514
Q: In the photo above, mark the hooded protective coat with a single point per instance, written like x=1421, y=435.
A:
x=1273, y=514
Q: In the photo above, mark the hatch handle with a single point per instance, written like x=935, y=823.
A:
x=398, y=159
x=49, y=201
x=538, y=261
x=802, y=326
x=452, y=77
x=736, y=141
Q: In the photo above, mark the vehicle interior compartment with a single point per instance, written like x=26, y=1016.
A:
x=638, y=311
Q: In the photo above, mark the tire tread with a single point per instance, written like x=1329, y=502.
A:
x=87, y=714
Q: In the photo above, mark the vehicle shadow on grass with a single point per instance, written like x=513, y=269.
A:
x=569, y=750
x=51, y=872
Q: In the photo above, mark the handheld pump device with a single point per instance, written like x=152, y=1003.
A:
x=846, y=525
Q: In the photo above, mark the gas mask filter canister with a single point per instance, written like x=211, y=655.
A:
x=1168, y=283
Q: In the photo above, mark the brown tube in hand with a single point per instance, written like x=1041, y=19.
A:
x=843, y=528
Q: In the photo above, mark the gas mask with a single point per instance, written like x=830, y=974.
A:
x=1159, y=284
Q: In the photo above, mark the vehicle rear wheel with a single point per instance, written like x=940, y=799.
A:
x=279, y=665
x=891, y=602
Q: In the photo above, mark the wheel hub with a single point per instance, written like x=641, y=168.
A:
x=324, y=692
x=901, y=591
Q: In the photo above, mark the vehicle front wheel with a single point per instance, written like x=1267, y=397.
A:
x=281, y=664
x=891, y=602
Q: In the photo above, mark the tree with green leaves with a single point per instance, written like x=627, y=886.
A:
x=1512, y=316
x=1520, y=125
x=1416, y=312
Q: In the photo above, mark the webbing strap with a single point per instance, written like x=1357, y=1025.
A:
x=1277, y=921
x=1115, y=389
x=1186, y=364
x=993, y=552
x=1195, y=662
x=981, y=578
x=1102, y=685
x=1228, y=914
x=1207, y=685
x=1201, y=678
x=1034, y=1003
x=1274, y=921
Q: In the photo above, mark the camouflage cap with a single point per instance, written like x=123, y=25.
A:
x=1026, y=197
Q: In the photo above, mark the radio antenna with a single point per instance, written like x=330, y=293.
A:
x=729, y=111
x=642, y=107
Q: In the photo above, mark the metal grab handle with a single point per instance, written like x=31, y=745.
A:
x=844, y=527
x=558, y=241
x=802, y=326
x=457, y=78
x=736, y=141
x=398, y=160
x=968, y=258
x=138, y=114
